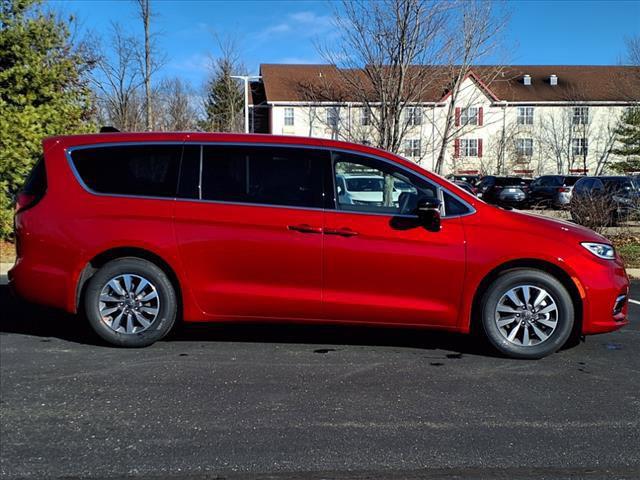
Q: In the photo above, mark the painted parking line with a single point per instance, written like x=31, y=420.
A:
x=634, y=301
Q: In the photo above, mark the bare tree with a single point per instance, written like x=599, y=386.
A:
x=382, y=52
x=474, y=33
x=176, y=110
x=117, y=80
x=145, y=15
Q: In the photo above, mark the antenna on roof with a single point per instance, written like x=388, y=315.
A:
x=108, y=129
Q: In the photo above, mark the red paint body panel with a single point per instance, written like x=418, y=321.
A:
x=241, y=262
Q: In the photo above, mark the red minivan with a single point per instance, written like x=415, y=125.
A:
x=137, y=230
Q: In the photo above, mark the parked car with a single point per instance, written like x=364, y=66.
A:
x=605, y=200
x=503, y=191
x=470, y=179
x=362, y=189
x=466, y=186
x=141, y=230
x=545, y=191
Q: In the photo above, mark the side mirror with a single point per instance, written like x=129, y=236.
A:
x=429, y=213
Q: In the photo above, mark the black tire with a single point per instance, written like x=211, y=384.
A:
x=165, y=318
x=536, y=278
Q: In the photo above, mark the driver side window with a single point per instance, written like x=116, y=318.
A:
x=368, y=185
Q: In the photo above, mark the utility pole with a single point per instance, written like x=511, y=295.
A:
x=246, y=79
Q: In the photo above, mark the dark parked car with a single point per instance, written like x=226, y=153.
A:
x=605, y=200
x=504, y=191
x=470, y=179
x=466, y=186
x=543, y=191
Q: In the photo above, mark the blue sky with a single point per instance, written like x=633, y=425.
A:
x=540, y=32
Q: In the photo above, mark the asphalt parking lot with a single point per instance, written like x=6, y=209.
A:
x=310, y=402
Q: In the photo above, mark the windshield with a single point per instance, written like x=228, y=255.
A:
x=365, y=184
x=509, y=181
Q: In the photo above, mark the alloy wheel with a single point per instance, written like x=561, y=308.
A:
x=526, y=315
x=129, y=303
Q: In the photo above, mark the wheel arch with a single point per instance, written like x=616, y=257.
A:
x=106, y=256
x=535, y=264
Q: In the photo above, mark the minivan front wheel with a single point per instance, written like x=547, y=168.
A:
x=527, y=314
x=130, y=302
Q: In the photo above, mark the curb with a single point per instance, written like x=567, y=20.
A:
x=633, y=273
x=4, y=268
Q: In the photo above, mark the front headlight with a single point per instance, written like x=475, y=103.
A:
x=601, y=250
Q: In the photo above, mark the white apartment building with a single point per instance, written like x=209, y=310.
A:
x=528, y=120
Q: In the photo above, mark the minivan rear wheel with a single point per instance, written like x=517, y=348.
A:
x=527, y=313
x=130, y=302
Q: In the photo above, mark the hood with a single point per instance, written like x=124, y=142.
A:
x=549, y=226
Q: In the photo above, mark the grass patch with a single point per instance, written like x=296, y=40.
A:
x=628, y=246
x=7, y=252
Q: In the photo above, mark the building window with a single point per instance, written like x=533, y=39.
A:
x=469, y=116
x=288, y=116
x=412, y=148
x=469, y=147
x=333, y=116
x=414, y=115
x=524, y=147
x=580, y=115
x=365, y=116
x=525, y=115
x=580, y=146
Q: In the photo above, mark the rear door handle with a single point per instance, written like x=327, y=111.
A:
x=343, y=232
x=305, y=228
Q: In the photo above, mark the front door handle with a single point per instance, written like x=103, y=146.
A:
x=343, y=232
x=305, y=228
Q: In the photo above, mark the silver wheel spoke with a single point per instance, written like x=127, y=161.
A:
x=108, y=311
x=129, y=303
x=514, y=298
x=127, y=282
x=506, y=309
x=548, y=323
x=540, y=334
x=527, y=294
x=143, y=321
x=143, y=283
x=116, y=321
x=149, y=296
x=513, y=333
x=108, y=298
x=505, y=321
x=548, y=308
x=541, y=296
x=116, y=287
x=525, y=336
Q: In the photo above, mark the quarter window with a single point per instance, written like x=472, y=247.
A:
x=288, y=116
x=525, y=116
x=263, y=175
x=144, y=170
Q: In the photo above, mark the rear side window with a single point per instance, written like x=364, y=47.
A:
x=142, y=170
x=263, y=175
x=36, y=182
x=509, y=181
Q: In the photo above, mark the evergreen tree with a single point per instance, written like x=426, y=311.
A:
x=224, y=103
x=629, y=142
x=43, y=91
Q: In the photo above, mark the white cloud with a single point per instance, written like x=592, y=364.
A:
x=303, y=24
